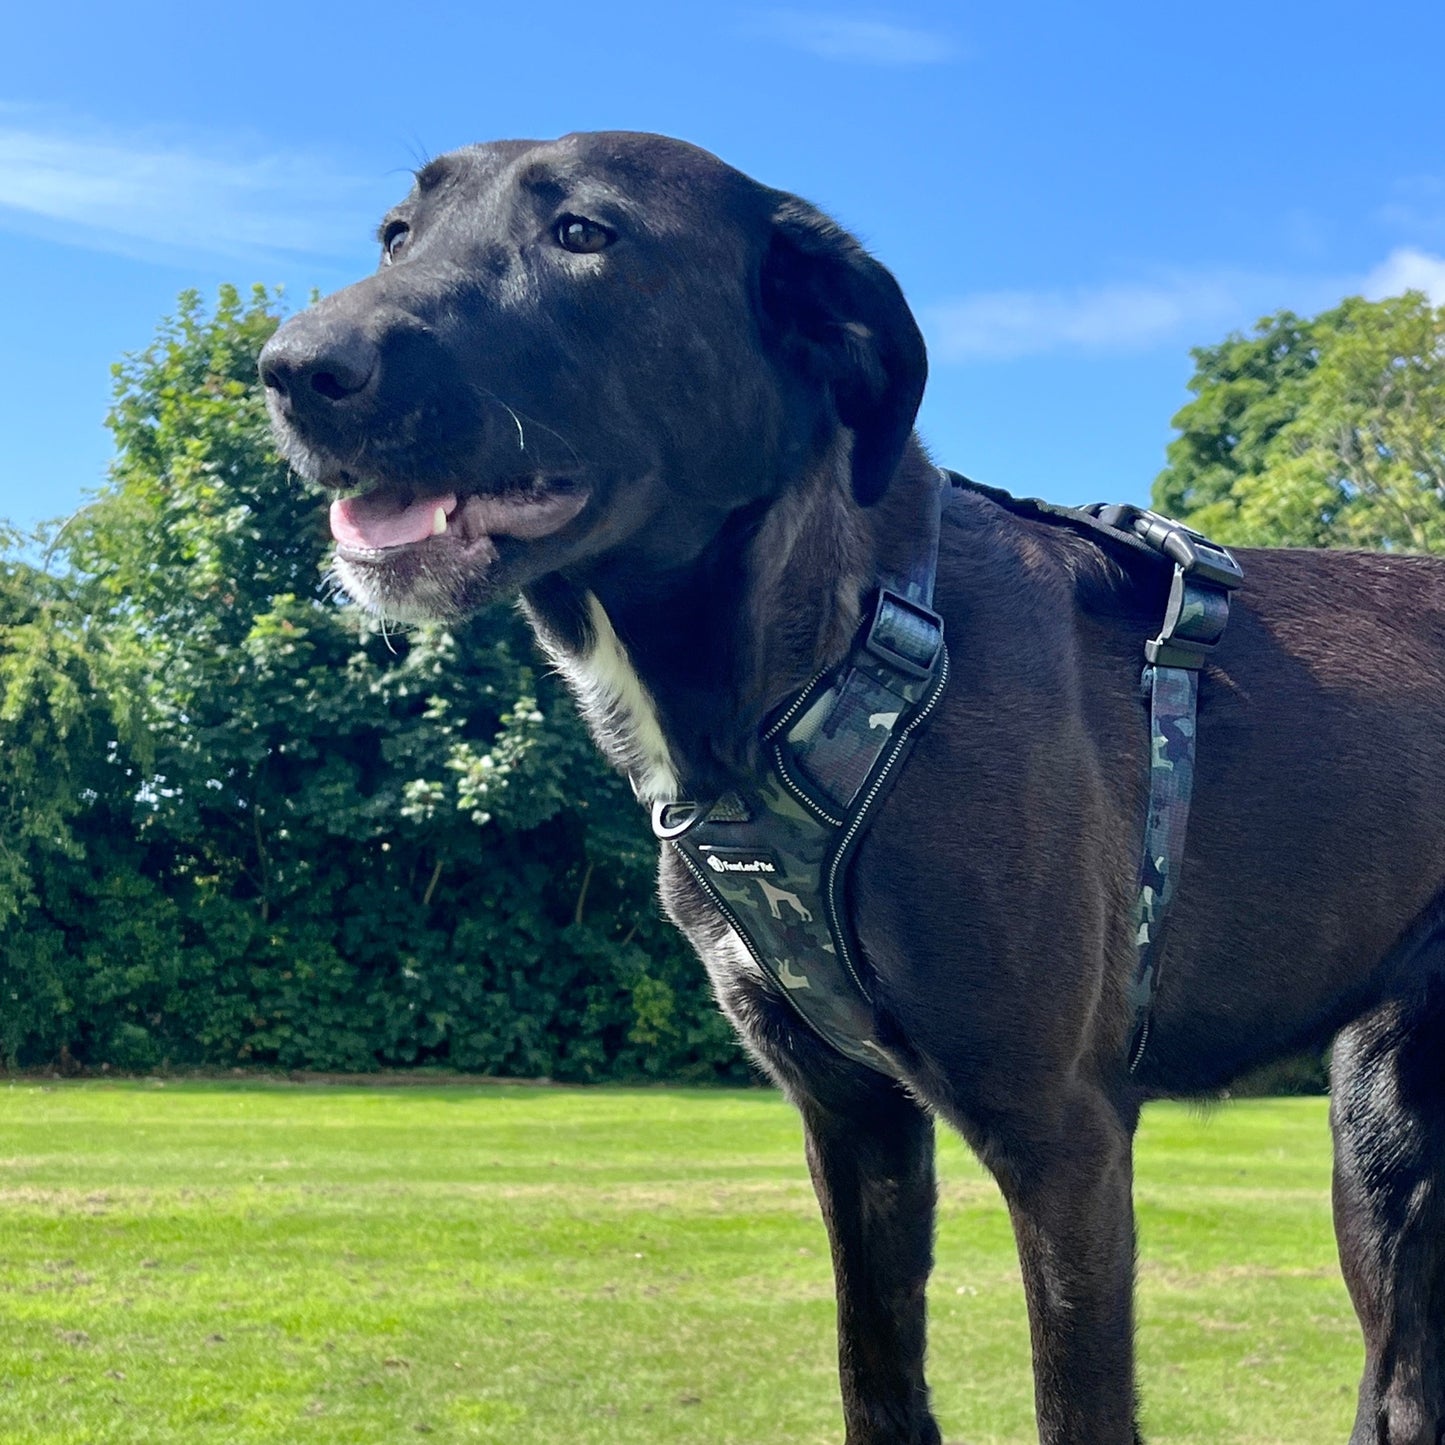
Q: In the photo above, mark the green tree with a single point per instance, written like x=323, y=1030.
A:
x=1320, y=432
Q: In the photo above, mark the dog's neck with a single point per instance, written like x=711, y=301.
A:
x=674, y=671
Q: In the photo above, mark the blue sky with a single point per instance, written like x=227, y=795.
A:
x=1072, y=195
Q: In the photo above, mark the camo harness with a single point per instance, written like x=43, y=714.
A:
x=775, y=863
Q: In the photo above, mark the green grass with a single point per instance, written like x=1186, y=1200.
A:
x=212, y=1263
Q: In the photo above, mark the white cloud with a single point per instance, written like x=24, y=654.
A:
x=1129, y=316
x=1407, y=269
x=129, y=193
x=1175, y=310
x=841, y=37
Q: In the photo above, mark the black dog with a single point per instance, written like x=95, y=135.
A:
x=673, y=408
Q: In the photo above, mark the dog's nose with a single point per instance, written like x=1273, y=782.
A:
x=308, y=366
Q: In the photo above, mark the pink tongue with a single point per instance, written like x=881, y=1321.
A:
x=379, y=520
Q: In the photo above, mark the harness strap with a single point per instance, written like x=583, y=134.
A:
x=1194, y=621
x=1105, y=523
x=774, y=862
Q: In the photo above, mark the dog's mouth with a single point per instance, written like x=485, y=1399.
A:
x=374, y=525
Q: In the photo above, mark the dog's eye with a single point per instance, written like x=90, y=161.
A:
x=393, y=239
x=577, y=233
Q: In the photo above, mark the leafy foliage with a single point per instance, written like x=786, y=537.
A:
x=241, y=823
x=1327, y=432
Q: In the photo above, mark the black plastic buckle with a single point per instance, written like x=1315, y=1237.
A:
x=1118, y=515
x=873, y=640
x=1196, y=554
x=1185, y=547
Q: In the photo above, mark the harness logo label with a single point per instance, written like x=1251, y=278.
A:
x=741, y=860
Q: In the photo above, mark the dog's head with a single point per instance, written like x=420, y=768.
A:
x=594, y=348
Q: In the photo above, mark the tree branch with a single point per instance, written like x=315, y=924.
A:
x=582, y=894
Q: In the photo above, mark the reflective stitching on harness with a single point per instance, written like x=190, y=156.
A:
x=795, y=707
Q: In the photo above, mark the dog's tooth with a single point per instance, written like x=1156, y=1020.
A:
x=439, y=522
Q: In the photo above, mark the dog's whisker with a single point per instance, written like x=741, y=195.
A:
x=523, y=419
x=552, y=431
x=521, y=433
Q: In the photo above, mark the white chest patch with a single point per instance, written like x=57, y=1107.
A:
x=619, y=709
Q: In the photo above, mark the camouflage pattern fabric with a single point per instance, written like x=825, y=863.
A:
x=1173, y=696
x=775, y=862
x=1202, y=615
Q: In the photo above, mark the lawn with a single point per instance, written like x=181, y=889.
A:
x=225, y=1264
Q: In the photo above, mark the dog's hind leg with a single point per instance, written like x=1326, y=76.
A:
x=1388, y=1114
x=871, y=1158
x=1067, y=1174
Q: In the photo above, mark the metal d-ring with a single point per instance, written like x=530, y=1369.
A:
x=665, y=829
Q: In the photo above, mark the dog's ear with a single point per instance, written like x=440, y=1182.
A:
x=836, y=314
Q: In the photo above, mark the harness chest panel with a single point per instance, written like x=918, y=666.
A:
x=775, y=864
x=765, y=876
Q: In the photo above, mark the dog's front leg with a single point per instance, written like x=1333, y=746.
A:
x=872, y=1165
x=1067, y=1178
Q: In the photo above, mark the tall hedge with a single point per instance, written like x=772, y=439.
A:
x=241, y=823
